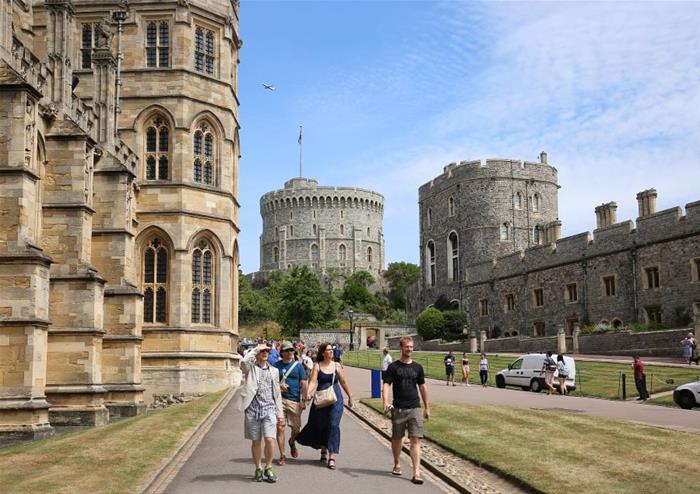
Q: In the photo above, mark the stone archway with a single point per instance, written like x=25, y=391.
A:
x=381, y=336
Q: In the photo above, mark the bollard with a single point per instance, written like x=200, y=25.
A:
x=624, y=386
x=376, y=383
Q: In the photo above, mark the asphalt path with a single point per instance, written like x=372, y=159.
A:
x=632, y=411
x=222, y=464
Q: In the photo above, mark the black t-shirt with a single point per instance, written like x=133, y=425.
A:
x=405, y=379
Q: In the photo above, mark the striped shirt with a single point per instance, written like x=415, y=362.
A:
x=263, y=404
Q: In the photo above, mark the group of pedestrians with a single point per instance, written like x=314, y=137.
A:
x=550, y=366
x=690, y=349
x=450, y=360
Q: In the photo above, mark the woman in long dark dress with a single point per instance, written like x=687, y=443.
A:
x=322, y=431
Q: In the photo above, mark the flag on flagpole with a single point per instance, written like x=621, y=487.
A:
x=299, y=140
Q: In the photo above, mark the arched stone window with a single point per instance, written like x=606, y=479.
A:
x=453, y=257
x=537, y=235
x=342, y=229
x=157, y=149
x=315, y=256
x=535, y=202
x=157, y=44
x=275, y=255
x=314, y=229
x=368, y=231
x=204, y=156
x=451, y=206
x=429, y=216
x=155, y=282
x=291, y=231
x=430, y=263
x=504, y=231
x=369, y=254
x=342, y=252
x=202, y=282
x=518, y=200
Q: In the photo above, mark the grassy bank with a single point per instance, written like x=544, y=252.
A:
x=597, y=379
x=115, y=458
x=562, y=452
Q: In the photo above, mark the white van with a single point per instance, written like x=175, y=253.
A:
x=527, y=373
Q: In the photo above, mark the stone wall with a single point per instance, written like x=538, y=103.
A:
x=337, y=228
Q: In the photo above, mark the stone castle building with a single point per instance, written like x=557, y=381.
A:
x=324, y=228
x=119, y=206
x=490, y=244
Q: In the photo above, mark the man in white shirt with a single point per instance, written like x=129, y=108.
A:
x=387, y=360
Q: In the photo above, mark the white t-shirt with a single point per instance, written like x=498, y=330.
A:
x=308, y=362
x=386, y=362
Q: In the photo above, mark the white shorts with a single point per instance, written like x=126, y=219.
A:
x=257, y=429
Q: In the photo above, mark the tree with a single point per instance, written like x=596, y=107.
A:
x=302, y=303
x=400, y=276
x=355, y=290
x=253, y=305
x=455, y=321
x=430, y=323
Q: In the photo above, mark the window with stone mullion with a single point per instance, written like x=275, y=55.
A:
x=155, y=277
x=203, y=156
x=87, y=44
x=157, y=151
x=202, y=284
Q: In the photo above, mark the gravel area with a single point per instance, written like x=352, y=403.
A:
x=469, y=477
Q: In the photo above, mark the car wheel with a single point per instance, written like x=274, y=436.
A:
x=685, y=400
x=535, y=386
x=501, y=382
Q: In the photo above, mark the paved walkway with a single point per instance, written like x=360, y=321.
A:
x=671, y=418
x=222, y=464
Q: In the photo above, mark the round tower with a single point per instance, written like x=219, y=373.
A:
x=474, y=212
x=322, y=227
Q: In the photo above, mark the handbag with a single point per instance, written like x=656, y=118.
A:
x=326, y=397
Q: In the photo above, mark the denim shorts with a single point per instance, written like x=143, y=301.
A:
x=257, y=429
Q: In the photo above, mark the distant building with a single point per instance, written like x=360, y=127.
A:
x=324, y=228
x=490, y=244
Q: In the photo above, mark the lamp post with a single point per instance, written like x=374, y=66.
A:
x=352, y=330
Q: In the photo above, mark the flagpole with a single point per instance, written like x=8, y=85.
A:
x=301, y=147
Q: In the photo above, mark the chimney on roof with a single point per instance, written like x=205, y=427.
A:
x=543, y=157
x=647, y=202
x=552, y=232
x=606, y=214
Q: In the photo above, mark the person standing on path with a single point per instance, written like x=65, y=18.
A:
x=407, y=379
x=640, y=379
x=386, y=361
x=689, y=346
x=450, y=368
x=483, y=370
x=465, y=368
x=549, y=366
x=260, y=399
x=322, y=431
x=293, y=384
x=562, y=373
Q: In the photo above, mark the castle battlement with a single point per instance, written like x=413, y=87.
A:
x=656, y=227
x=492, y=168
x=306, y=193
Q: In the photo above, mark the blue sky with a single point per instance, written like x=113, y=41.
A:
x=390, y=92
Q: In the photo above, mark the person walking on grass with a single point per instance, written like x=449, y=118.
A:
x=549, y=366
x=407, y=379
x=450, y=368
x=562, y=373
x=483, y=370
x=640, y=378
x=260, y=399
x=293, y=384
x=465, y=368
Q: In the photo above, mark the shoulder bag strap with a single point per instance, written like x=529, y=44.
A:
x=289, y=371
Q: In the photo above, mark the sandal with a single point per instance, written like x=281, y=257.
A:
x=331, y=463
x=324, y=456
x=417, y=480
x=282, y=460
x=293, y=449
x=396, y=471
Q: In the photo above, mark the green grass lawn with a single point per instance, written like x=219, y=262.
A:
x=116, y=458
x=596, y=379
x=572, y=453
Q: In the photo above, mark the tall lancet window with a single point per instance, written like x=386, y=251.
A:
x=155, y=282
x=202, y=283
x=203, y=166
x=157, y=150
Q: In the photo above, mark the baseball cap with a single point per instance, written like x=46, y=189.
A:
x=287, y=345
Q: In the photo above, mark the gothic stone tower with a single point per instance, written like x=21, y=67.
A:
x=476, y=212
x=179, y=113
x=337, y=228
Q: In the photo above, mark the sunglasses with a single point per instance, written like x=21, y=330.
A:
x=264, y=351
x=288, y=350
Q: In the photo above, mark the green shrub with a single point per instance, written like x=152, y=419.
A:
x=453, y=329
x=430, y=323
